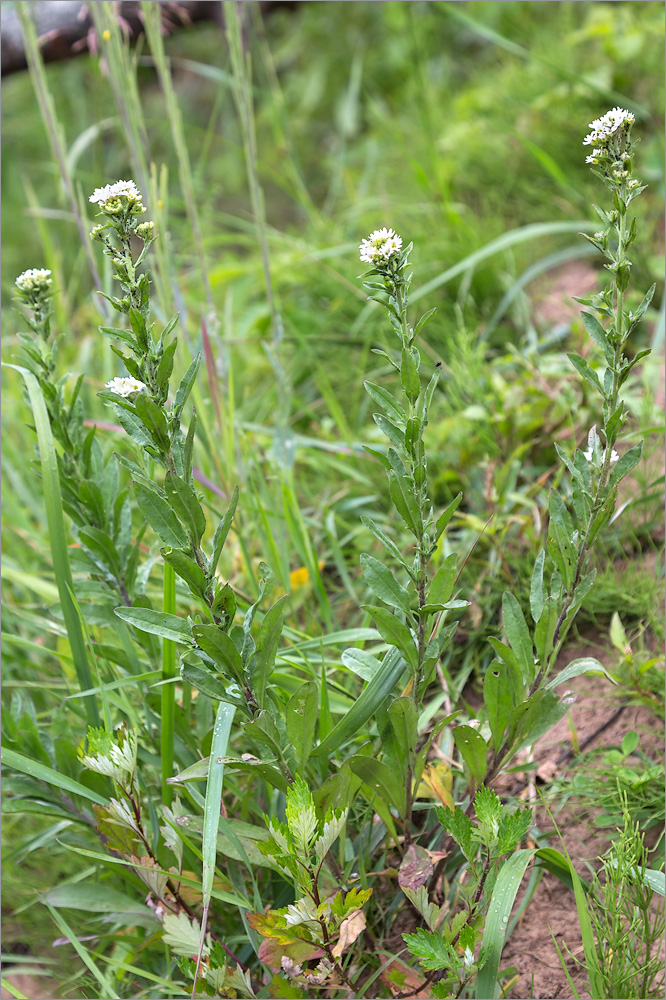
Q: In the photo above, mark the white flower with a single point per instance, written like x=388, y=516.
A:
x=121, y=189
x=125, y=386
x=35, y=279
x=380, y=246
x=604, y=127
x=468, y=957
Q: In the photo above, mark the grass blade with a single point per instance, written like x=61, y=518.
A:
x=371, y=698
x=501, y=904
x=218, y=751
x=58, y=538
x=168, y=693
x=82, y=952
x=43, y=773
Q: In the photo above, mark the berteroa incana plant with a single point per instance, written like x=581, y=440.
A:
x=344, y=803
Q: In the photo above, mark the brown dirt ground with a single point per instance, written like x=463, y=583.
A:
x=530, y=949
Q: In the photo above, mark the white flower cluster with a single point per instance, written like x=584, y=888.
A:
x=604, y=127
x=35, y=279
x=121, y=189
x=125, y=386
x=380, y=247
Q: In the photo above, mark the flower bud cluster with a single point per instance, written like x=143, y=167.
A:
x=33, y=284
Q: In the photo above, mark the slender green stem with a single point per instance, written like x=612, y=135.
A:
x=168, y=688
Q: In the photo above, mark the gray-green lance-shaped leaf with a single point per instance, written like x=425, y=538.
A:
x=404, y=720
x=222, y=531
x=218, y=645
x=502, y=691
x=409, y=374
x=263, y=730
x=624, y=465
x=157, y=623
x=404, y=501
x=473, y=750
x=362, y=663
x=365, y=706
x=518, y=635
x=301, y=720
x=153, y=420
x=387, y=401
x=383, y=583
x=160, y=517
x=213, y=686
x=185, y=387
x=381, y=778
x=263, y=661
x=537, y=597
x=385, y=539
x=586, y=665
x=597, y=332
x=441, y=586
x=445, y=516
x=583, y=369
x=187, y=569
x=394, y=632
x=183, y=500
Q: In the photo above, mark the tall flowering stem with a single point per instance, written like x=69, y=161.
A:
x=414, y=625
x=597, y=471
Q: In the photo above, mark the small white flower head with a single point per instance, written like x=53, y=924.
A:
x=380, y=247
x=34, y=282
x=605, y=127
x=468, y=958
x=96, y=232
x=125, y=386
x=118, y=199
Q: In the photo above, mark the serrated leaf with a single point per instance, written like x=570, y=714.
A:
x=432, y=951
